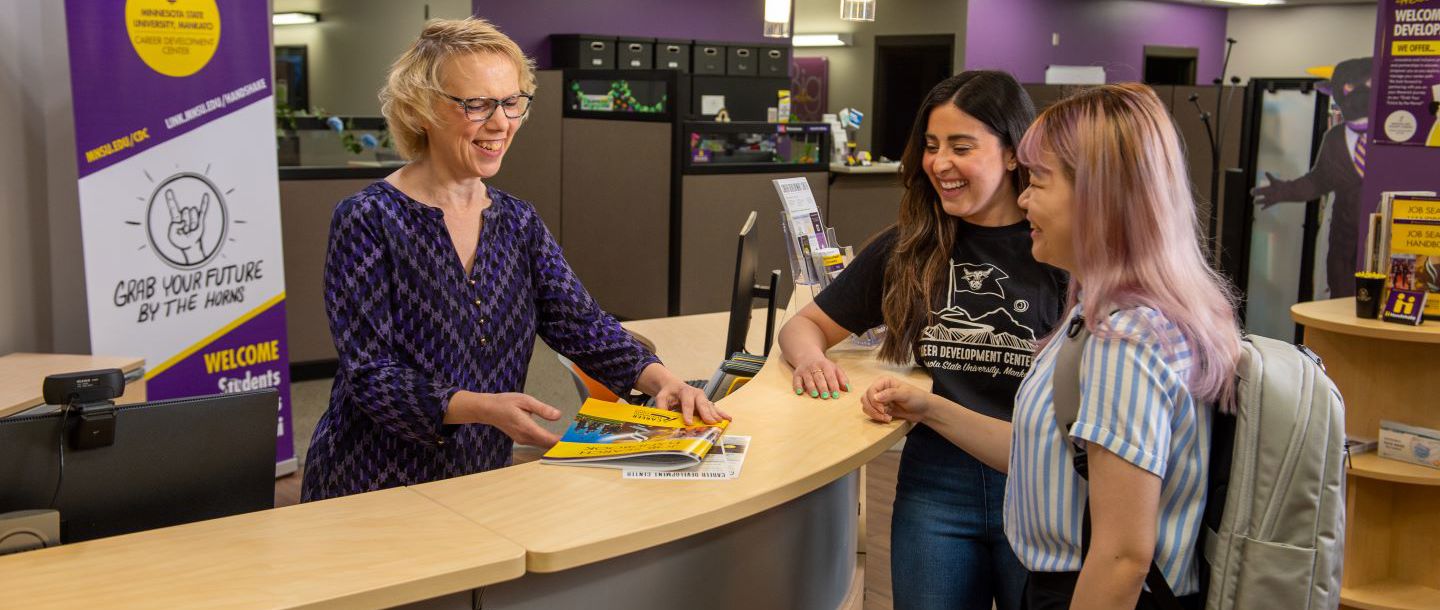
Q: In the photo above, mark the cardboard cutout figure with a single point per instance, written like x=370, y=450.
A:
x=1339, y=168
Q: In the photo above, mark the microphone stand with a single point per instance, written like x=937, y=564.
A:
x=1216, y=134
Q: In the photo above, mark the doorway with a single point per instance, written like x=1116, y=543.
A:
x=1170, y=65
x=906, y=68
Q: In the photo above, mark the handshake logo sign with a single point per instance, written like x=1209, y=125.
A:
x=186, y=220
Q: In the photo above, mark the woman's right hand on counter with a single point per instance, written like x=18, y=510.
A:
x=803, y=341
x=820, y=377
x=510, y=412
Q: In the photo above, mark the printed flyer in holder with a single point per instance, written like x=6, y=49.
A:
x=615, y=435
x=179, y=195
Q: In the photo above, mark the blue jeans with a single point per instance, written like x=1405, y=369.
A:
x=947, y=538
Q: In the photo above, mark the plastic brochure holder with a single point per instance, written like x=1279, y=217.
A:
x=802, y=265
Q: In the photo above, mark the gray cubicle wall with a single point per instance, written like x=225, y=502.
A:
x=531, y=169
x=305, y=210
x=713, y=208
x=615, y=216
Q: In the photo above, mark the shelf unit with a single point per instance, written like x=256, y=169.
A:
x=1383, y=371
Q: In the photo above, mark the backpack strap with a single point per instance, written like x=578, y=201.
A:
x=1065, y=389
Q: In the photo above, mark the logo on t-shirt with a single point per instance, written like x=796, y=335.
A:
x=976, y=332
x=979, y=279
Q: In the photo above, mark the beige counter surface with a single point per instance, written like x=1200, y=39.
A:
x=372, y=550
x=402, y=545
x=567, y=516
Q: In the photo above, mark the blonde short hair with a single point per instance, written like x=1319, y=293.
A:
x=413, y=85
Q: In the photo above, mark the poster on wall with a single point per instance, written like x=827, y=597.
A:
x=1409, y=71
x=179, y=195
x=810, y=82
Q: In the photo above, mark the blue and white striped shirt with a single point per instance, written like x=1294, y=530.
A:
x=1134, y=403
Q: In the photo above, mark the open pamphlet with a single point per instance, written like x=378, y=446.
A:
x=723, y=462
x=614, y=435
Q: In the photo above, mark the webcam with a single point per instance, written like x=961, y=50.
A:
x=91, y=394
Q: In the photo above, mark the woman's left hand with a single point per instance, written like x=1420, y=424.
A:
x=690, y=401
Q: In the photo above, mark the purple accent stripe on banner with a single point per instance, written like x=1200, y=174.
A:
x=251, y=356
x=122, y=104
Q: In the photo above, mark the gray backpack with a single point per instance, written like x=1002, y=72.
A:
x=1278, y=540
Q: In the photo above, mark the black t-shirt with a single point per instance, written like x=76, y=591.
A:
x=981, y=336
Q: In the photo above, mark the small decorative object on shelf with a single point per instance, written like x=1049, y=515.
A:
x=1369, y=290
x=1405, y=306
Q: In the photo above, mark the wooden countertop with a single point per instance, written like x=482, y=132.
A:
x=21, y=374
x=372, y=550
x=876, y=168
x=401, y=545
x=1338, y=316
x=692, y=346
x=567, y=517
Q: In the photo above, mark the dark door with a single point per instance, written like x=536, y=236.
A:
x=906, y=68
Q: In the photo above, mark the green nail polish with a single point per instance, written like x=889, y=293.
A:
x=814, y=394
x=799, y=391
x=847, y=387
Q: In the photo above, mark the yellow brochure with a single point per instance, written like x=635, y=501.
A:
x=614, y=435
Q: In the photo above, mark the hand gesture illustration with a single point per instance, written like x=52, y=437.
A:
x=187, y=226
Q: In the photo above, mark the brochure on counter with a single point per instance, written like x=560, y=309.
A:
x=615, y=435
x=723, y=462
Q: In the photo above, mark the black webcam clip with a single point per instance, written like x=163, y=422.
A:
x=92, y=395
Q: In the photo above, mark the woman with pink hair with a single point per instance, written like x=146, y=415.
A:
x=1109, y=201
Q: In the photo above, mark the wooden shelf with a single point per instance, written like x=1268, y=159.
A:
x=1372, y=466
x=1338, y=316
x=1391, y=595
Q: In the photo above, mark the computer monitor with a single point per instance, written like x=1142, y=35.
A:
x=172, y=462
x=744, y=293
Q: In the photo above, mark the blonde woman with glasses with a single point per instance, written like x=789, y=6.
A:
x=437, y=284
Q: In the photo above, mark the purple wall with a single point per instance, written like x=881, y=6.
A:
x=1391, y=167
x=530, y=22
x=1014, y=35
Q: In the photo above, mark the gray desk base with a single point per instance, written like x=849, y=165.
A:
x=798, y=555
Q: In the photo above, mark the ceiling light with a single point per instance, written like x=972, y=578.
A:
x=857, y=10
x=1252, y=2
x=822, y=40
x=777, y=18
x=294, y=18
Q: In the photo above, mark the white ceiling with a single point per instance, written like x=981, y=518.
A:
x=1287, y=3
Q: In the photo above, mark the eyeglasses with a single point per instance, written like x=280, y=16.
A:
x=480, y=109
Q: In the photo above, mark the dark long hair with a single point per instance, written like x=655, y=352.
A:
x=919, y=265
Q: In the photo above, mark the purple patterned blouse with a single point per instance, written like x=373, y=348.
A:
x=412, y=329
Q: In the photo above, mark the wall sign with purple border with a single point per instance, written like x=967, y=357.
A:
x=1409, y=74
x=179, y=194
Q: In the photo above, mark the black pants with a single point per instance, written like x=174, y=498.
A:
x=1053, y=590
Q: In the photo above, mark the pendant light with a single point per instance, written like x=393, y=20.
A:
x=857, y=10
x=777, y=18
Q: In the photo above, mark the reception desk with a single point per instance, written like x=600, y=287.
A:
x=783, y=535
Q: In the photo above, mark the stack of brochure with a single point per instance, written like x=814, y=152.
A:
x=614, y=435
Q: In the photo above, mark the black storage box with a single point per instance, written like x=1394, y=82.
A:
x=774, y=60
x=742, y=61
x=634, y=53
x=709, y=58
x=586, y=51
x=672, y=55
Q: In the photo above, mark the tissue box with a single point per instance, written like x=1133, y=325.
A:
x=1410, y=444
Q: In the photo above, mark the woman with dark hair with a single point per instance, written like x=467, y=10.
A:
x=955, y=282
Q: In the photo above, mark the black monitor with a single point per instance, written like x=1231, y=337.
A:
x=172, y=462
x=744, y=293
